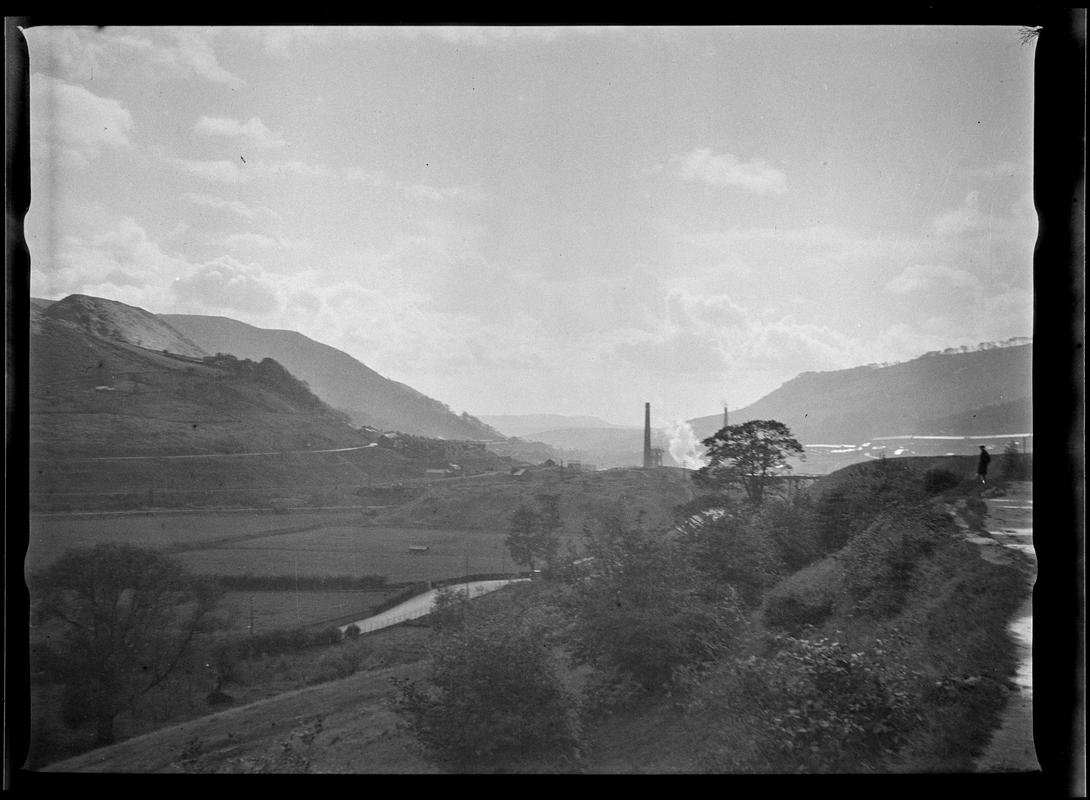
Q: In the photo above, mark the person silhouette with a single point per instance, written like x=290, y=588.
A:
x=982, y=464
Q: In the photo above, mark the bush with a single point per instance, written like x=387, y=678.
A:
x=817, y=706
x=493, y=699
x=732, y=548
x=938, y=480
x=789, y=525
x=808, y=597
x=642, y=610
x=880, y=562
x=335, y=665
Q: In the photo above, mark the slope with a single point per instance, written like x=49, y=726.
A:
x=95, y=396
x=929, y=395
x=338, y=378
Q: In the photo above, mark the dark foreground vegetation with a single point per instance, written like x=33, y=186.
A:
x=852, y=630
x=847, y=629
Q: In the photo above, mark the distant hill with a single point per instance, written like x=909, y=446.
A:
x=526, y=425
x=94, y=395
x=364, y=395
x=979, y=392
x=604, y=447
x=109, y=319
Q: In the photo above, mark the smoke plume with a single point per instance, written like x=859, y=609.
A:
x=685, y=447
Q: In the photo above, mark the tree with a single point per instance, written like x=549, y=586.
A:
x=131, y=615
x=749, y=453
x=643, y=611
x=533, y=533
x=492, y=698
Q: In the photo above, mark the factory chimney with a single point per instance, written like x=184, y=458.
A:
x=647, y=436
x=726, y=416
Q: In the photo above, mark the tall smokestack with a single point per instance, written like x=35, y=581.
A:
x=647, y=436
x=726, y=416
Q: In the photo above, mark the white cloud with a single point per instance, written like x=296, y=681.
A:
x=727, y=170
x=253, y=133
x=234, y=206
x=925, y=276
x=965, y=219
x=192, y=53
x=228, y=284
x=74, y=125
x=86, y=53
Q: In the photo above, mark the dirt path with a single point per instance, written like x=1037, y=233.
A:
x=1009, y=540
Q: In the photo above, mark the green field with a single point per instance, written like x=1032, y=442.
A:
x=305, y=544
x=278, y=610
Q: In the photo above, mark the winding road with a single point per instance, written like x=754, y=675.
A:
x=423, y=604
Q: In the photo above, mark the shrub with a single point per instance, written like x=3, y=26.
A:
x=335, y=665
x=817, y=706
x=493, y=698
x=938, y=480
x=789, y=525
x=808, y=597
x=643, y=610
x=732, y=548
x=880, y=562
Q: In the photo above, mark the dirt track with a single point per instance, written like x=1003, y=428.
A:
x=1009, y=540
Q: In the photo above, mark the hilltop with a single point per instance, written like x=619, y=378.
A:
x=114, y=321
x=940, y=393
x=95, y=392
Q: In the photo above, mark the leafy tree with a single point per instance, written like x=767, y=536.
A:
x=750, y=454
x=131, y=615
x=533, y=535
x=643, y=611
x=493, y=698
x=729, y=547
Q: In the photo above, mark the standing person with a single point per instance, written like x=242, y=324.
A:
x=982, y=464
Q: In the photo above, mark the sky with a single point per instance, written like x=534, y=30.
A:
x=571, y=220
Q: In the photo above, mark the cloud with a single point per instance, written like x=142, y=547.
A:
x=74, y=125
x=85, y=53
x=968, y=218
x=234, y=206
x=252, y=133
x=192, y=54
x=238, y=171
x=228, y=284
x=925, y=276
x=283, y=41
x=727, y=170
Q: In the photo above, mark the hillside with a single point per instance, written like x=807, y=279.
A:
x=97, y=396
x=937, y=394
x=109, y=319
x=345, y=383
x=529, y=425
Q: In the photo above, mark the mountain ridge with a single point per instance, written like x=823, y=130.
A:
x=927, y=395
x=340, y=379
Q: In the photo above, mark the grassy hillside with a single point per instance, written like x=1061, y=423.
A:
x=940, y=390
x=345, y=383
x=97, y=397
x=886, y=651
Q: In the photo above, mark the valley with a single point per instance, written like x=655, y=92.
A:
x=310, y=519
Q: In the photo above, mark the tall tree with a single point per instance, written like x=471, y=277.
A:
x=533, y=535
x=131, y=614
x=750, y=453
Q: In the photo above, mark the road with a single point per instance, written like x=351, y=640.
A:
x=423, y=604
x=1009, y=540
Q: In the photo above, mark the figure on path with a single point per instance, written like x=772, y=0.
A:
x=982, y=464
